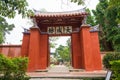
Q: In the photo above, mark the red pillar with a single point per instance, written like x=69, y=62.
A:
x=34, y=49
x=96, y=50
x=25, y=44
x=90, y=49
x=43, y=51
x=86, y=48
x=76, y=52
x=38, y=50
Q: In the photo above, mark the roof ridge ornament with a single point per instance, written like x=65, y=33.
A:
x=34, y=22
x=84, y=23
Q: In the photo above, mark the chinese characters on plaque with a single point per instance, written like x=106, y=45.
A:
x=59, y=30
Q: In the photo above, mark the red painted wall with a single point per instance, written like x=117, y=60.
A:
x=90, y=49
x=96, y=51
x=86, y=48
x=25, y=44
x=76, y=52
x=11, y=50
x=43, y=51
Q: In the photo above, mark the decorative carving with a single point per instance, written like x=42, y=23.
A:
x=34, y=22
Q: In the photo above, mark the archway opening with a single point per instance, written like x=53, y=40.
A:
x=60, y=50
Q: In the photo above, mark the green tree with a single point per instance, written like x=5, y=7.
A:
x=116, y=3
x=8, y=9
x=64, y=51
x=90, y=18
x=4, y=28
x=107, y=17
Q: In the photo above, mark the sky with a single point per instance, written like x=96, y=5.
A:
x=16, y=35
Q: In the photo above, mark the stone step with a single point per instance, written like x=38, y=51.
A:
x=69, y=76
x=59, y=69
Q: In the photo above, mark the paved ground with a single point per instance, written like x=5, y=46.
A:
x=61, y=72
x=58, y=69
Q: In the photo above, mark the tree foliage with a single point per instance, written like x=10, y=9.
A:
x=4, y=28
x=52, y=41
x=116, y=3
x=79, y=2
x=115, y=69
x=90, y=18
x=64, y=51
x=13, y=68
x=107, y=17
x=110, y=57
x=8, y=9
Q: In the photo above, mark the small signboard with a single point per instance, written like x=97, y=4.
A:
x=59, y=30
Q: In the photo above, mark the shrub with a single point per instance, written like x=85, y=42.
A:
x=115, y=67
x=110, y=57
x=13, y=68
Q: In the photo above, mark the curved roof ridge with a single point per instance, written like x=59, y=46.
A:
x=79, y=12
x=73, y=11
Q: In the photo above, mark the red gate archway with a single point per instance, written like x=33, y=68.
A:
x=85, y=43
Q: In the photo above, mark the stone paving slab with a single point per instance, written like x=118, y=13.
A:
x=60, y=71
x=70, y=74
